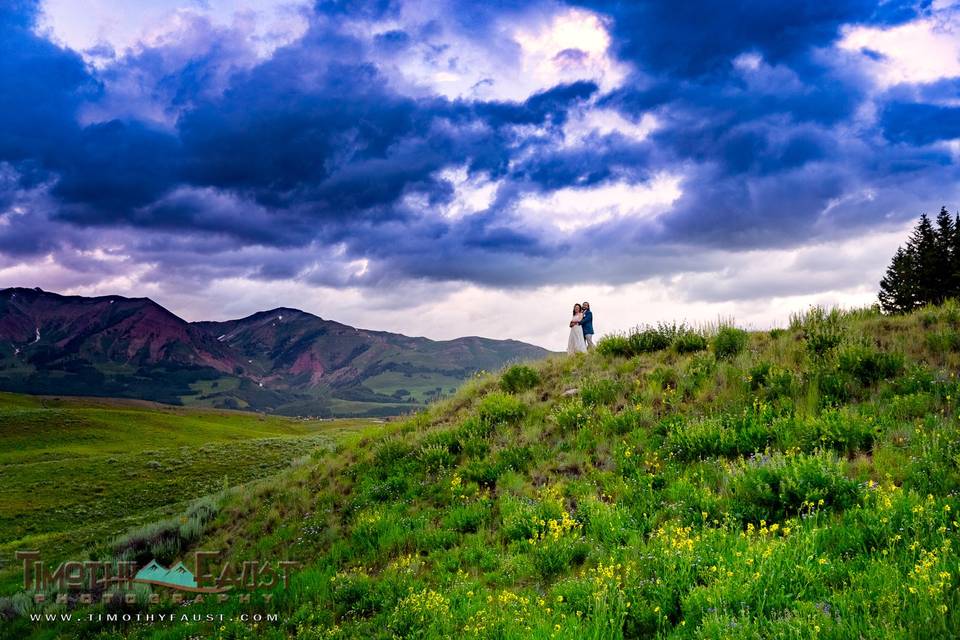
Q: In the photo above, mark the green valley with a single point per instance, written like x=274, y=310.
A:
x=76, y=472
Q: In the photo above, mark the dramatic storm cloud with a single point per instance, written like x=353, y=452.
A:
x=447, y=168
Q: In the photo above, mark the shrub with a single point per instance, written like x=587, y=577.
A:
x=467, y=518
x=484, y=472
x=912, y=405
x=376, y=528
x=475, y=448
x=868, y=365
x=354, y=593
x=689, y=341
x=839, y=430
x=664, y=378
x=758, y=374
x=822, y=331
x=519, y=378
x=614, y=346
x=552, y=556
x=474, y=429
x=436, y=457
x=916, y=379
x=775, y=486
x=500, y=408
x=775, y=381
x=514, y=459
x=946, y=341
x=951, y=312
x=390, y=451
x=928, y=317
x=649, y=340
x=625, y=420
x=571, y=415
x=836, y=387
x=639, y=340
x=517, y=517
x=776, y=333
x=607, y=523
x=556, y=542
x=599, y=391
x=164, y=539
x=729, y=342
x=691, y=501
x=700, y=368
x=421, y=614
x=934, y=461
x=726, y=435
x=390, y=487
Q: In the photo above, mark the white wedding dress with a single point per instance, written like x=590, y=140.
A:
x=576, y=343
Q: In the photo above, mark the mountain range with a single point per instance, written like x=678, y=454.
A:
x=283, y=361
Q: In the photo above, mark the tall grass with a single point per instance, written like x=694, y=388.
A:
x=797, y=485
x=165, y=539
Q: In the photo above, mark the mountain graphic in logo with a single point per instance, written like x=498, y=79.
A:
x=176, y=577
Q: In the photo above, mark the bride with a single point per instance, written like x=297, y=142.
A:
x=576, y=343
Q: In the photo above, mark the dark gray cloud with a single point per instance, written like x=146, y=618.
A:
x=320, y=163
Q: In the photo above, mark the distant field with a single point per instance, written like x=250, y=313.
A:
x=418, y=386
x=340, y=406
x=76, y=472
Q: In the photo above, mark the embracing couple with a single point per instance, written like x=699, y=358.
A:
x=581, y=329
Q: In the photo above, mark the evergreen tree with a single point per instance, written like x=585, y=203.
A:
x=898, y=293
x=926, y=269
x=955, y=259
x=923, y=245
x=942, y=258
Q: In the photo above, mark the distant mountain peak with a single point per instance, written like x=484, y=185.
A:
x=281, y=312
x=281, y=360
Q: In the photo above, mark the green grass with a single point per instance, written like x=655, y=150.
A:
x=77, y=472
x=35, y=429
x=801, y=483
x=361, y=408
x=419, y=386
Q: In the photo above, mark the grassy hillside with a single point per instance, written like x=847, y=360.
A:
x=76, y=472
x=797, y=483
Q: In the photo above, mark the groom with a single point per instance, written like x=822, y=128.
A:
x=587, y=325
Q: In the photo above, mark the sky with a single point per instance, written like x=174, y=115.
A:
x=448, y=168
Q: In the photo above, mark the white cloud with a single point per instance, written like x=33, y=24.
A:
x=122, y=26
x=953, y=146
x=517, y=56
x=472, y=194
x=763, y=78
x=584, y=123
x=924, y=50
x=572, y=209
x=574, y=45
x=72, y=277
x=749, y=61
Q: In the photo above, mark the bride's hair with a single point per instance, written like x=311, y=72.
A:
x=577, y=308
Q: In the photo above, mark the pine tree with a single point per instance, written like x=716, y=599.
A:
x=927, y=268
x=898, y=293
x=942, y=258
x=955, y=259
x=923, y=245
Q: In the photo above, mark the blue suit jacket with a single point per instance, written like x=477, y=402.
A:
x=587, y=323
